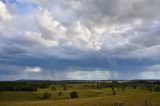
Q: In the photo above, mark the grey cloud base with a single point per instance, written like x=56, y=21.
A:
x=79, y=39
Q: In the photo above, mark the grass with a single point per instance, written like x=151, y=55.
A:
x=87, y=97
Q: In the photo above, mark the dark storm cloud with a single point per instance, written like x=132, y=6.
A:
x=113, y=39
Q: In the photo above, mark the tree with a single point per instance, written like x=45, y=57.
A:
x=74, y=94
x=46, y=95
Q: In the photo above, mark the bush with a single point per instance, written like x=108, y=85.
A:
x=74, y=94
x=123, y=89
x=59, y=93
x=112, y=88
x=157, y=88
x=53, y=88
x=65, y=87
x=135, y=87
x=118, y=104
x=46, y=95
x=114, y=92
x=145, y=102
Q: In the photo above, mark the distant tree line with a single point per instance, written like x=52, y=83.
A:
x=144, y=84
x=22, y=86
x=151, y=86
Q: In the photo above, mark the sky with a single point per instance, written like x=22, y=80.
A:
x=79, y=39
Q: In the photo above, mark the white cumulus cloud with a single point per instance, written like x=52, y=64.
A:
x=4, y=14
x=33, y=69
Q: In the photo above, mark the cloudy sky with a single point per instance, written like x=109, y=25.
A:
x=79, y=39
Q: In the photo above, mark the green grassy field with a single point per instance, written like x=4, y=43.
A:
x=87, y=97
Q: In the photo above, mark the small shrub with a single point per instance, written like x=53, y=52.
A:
x=157, y=88
x=59, y=93
x=112, y=88
x=46, y=95
x=118, y=104
x=74, y=94
x=114, y=92
x=135, y=87
x=64, y=86
x=123, y=89
x=53, y=88
x=145, y=102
